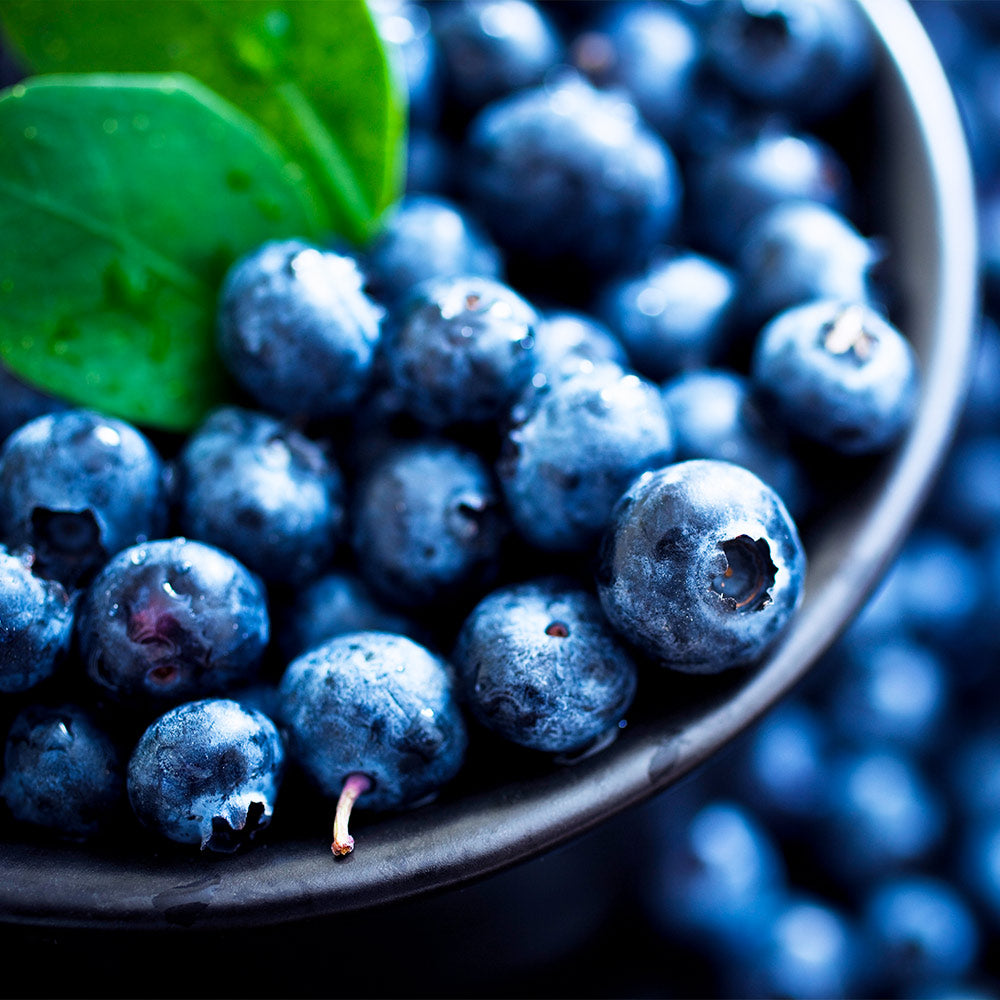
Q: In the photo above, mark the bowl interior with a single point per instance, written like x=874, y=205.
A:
x=506, y=816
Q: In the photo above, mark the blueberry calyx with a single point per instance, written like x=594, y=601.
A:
x=355, y=785
x=745, y=583
x=227, y=837
x=847, y=335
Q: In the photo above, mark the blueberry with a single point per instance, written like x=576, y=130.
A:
x=965, y=496
x=715, y=414
x=838, y=373
x=921, y=928
x=804, y=57
x=337, y=602
x=62, y=772
x=207, y=772
x=573, y=448
x=797, y=251
x=36, y=623
x=536, y=157
x=372, y=717
x=78, y=487
x=490, y=48
x=427, y=237
x=405, y=28
x=747, y=175
x=539, y=665
x=20, y=402
x=567, y=341
x=296, y=329
x=171, y=620
x=263, y=492
x=462, y=352
x=701, y=566
x=428, y=525
x=675, y=314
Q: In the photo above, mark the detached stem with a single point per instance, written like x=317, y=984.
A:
x=354, y=785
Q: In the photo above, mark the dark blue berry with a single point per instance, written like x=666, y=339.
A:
x=701, y=567
x=539, y=665
x=567, y=342
x=572, y=449
x=207, y=772
x=171, y=620
x=405, y=28
x=78, y=487
x=296, y=329
x=20, y=402
x=62, y=772
x=262, y=491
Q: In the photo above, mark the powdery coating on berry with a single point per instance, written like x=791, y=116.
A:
x=263, y=492
x=207, y=772
x=172, y=620
x=377, y=704
x=539, y=665
x=36, y=623
x=462, y=352
x=837, y=372
x=296, y=329
x=537, y=156
x=568, y=342
x=428, y=524
x=62, y=772
x=78, y=487
x=701, y=568
x=572, y=450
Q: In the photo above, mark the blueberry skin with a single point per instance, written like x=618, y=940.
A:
x=36, y=623
x=428, y=525
x=675, y=314
x=748, y=175
x=337, y=602
x=62, y=772
x=77, y=487
x=837, y=373
x=804, y=57
x=798, y=251
x=296, y=330
x=539, y=665
x=427, y=237
x=572, y=449
x=701, y=567
x=378, y=704
x=566, y=342
x=405, y=29
x=207, y=772
x=715, y=414
x=490, y=48
x=20, y=402
x=263, y=492
x=535, y=157
x=463, y=351
x=171, y=620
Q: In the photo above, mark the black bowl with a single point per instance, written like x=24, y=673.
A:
x=494, y=819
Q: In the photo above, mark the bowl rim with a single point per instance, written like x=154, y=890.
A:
x=457, y=842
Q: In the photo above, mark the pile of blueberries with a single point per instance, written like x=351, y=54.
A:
x=626, y=337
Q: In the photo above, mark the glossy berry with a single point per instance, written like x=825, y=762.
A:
x=207, y=773
x=674, y=315
x=36, y=623
x=427, y=237
x=263, y=492
x=572, y=449
x=172, y=620
x=838, y=373
x=62, y=772
x=78, y=487
x=567, y=342
x=427, y=524
x=535, y=157
x=462, y=352
x=296, y=330
x=701, y=567
x=539, y=665
x=373, y=706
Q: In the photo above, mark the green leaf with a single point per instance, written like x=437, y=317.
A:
x=123, y=200
x=313, y=72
